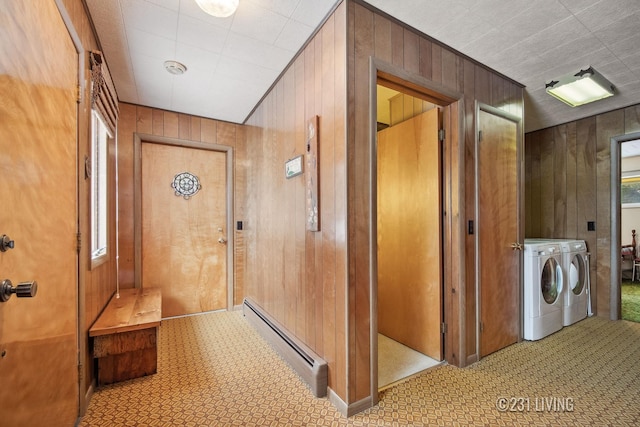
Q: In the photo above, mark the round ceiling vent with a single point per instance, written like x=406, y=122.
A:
x=175, y=67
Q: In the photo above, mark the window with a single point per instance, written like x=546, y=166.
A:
x=630, y=189
x=99, y=138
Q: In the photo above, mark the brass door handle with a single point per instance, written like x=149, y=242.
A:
x=222, y=240
x=516, y=246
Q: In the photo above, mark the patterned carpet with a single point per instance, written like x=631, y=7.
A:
x=214, y=370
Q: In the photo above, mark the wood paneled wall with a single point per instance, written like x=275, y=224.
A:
x=300, y=276
x=152, y=121
x=97, y=284
x=373, y=34
x=303, y=279
x=568, y=170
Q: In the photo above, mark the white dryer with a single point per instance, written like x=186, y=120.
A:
x=543, y=286
x=576, y=268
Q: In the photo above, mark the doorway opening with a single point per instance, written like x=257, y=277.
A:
x=183, y=230
x=627, y=179
x=409, y=234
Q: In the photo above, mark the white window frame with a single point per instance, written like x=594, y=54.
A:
x=99, y=185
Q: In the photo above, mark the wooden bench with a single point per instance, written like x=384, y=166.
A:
x=125, y=335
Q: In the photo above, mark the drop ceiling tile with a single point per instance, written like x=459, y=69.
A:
x=271, y=23
x=312, y=12
x=567, y=31
x=621, y=29
x=141, y=42
x=190, y=8
x=201, y=34
x=291, y=35
x=197, y=59
x=576, y=6
x=149, y=17
x=282, y=7
x=247, y=72
x=463, y=29
x=580, y=48
x=607, y=12
x=488, y=45
x=541, y=15
x=493, y=12
x=167, y=4
x=626, y=47
x=256, y=52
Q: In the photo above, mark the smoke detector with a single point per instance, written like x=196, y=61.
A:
x=175, y=67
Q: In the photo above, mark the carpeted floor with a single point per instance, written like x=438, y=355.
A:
x=630, y=301
x=214, y=370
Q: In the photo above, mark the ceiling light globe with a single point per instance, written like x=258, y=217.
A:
x=218, y=8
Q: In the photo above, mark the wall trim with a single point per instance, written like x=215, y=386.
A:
x=401, y=80
x=346, y=409
x=616, y=238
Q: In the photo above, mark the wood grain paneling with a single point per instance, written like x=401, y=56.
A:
x=498, y=171
x=300, y=276
x=334, y=302
x=586, y=172
x=440, y=67
x=181, y=253
x=409, y=234
x=39, y=373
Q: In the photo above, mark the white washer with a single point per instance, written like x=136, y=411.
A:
x=575, y=268
x=543, y=285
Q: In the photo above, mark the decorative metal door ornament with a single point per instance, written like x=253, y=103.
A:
x=186, y=185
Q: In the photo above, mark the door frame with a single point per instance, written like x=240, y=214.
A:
x=81, y=216
x=138, y=139
x=453, y=229
x=615, y=302
x=520, y=212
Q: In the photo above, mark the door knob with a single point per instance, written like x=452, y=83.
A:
x=6, y=243
x=516, y=246
x=222, y=240
x=23, y=290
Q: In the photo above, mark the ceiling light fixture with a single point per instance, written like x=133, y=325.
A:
x=585, y=86
x=175, y=67
x=218, y=8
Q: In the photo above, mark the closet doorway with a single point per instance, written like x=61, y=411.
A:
x=409, y=235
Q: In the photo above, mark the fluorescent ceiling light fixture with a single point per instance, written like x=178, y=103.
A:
x=585, y=86
x=218, y=8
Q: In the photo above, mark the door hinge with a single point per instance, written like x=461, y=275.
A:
x=78, y=241
x=80, y=373
x=479, y=135
x=78, y=93
x=481, y=327
x=441, y=135
x=443, y=328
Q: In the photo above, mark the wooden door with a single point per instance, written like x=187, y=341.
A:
x=410, y=234
x=498, y=228
x=38, y=335
x=184, y=249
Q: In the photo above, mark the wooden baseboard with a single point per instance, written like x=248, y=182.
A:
x=347, y=409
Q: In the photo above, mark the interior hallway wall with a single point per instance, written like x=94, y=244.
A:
x=374, y=34
x=567, y=184
x=152, y=121
x=298, y=276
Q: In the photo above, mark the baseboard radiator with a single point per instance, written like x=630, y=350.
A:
x=309, y=366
